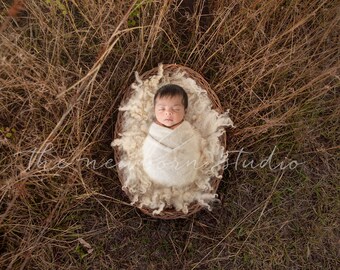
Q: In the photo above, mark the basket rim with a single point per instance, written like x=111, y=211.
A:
x=170, y=213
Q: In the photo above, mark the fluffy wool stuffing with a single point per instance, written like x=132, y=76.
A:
x=138, y=116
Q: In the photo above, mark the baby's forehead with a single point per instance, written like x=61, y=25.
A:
x=169, y=100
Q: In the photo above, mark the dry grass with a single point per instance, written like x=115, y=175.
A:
x=63, y=65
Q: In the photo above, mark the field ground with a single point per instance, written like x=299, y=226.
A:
x=63, y=68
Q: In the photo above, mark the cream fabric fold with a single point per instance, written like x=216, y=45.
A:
x=171, y=156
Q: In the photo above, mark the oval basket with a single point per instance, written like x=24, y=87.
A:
x=169, y=213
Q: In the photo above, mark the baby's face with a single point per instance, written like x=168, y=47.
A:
x=169, y=111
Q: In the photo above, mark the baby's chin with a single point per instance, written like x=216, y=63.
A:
x=169, y=123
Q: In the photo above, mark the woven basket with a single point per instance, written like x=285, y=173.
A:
x=170, y=68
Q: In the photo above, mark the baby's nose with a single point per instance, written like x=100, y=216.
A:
x=168, y=112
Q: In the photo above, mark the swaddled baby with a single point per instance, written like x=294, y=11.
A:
x=171, y=150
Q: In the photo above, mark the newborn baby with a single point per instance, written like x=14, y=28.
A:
x=171, y=150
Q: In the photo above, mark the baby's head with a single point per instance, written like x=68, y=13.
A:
x=170, y=104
